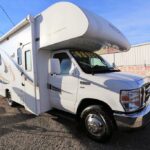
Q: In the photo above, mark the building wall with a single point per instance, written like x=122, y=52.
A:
x=141, y=70
x=136, y=60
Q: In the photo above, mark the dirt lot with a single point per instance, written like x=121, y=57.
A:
x=21, y=130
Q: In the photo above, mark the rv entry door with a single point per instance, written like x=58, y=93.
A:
x=28, y=82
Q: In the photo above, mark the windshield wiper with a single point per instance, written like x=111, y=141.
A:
x=114, y=69
x=98, y=69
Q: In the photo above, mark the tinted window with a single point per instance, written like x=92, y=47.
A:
x=65, y=62
x=28, y=64
x=19, y=56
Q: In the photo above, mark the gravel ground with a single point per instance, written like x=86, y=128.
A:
x=20, y=130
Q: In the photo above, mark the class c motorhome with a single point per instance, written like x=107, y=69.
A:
x=49, y=61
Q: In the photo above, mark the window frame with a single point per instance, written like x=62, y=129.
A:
x=79, y=65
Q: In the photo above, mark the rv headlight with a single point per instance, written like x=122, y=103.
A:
x=131, y=99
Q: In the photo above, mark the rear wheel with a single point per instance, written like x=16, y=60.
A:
x=8, y=99
x=10, y=102
x=97, y=122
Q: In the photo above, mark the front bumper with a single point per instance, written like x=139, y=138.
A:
x=135, y=120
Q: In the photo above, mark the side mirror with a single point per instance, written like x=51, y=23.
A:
x=54, y=66
x=75, y=72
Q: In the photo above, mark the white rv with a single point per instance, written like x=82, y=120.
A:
x=49, y=61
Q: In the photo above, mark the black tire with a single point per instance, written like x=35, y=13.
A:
x=97, y=123
x=9, y=100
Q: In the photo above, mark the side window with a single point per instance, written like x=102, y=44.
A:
x=0, y=60
x=19, y=56
x=65, y=62
x=28, y=64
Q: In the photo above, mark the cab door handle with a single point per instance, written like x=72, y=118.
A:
x=85, y=83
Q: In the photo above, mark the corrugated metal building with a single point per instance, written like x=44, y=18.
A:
x=136, y=60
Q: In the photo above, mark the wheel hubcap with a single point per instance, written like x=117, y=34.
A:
x=95, y=124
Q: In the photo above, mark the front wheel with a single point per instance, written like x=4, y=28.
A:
x=97, y=122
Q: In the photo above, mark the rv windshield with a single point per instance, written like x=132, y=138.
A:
x=91, y=63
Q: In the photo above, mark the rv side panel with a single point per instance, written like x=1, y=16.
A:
x=16, y=69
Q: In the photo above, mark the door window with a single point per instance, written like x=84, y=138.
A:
x=65, y=62
x=28, y=64
x=19, y=56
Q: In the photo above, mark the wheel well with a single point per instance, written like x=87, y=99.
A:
x=88, y=102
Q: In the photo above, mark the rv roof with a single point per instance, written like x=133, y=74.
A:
x=65, y=25
x=15, y=29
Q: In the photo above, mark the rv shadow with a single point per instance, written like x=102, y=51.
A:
x=41, y=125
x=70, y=123
x=132, y=139
x=121, y=139
x=9, y=117
x=7, y=122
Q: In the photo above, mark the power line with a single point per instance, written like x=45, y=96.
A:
x=9, y=18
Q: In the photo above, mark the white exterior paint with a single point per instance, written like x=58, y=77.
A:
x=67, y=25
x=63, y=25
